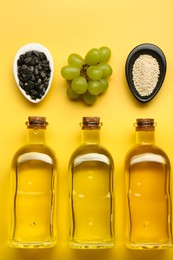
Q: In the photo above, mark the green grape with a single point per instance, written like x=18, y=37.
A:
x=88, y=78
x=105, y=54
x=88, y=98
x=76, y=60
x=104, y=83
x=95, y=87
x=106, y=69
x=70, y=72
x=71, y=93
x=79, y=85
x=94, y=72
x=93, y=56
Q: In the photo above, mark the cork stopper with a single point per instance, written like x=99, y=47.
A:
x=38, y=122
x=145, y=124
x=91, y=123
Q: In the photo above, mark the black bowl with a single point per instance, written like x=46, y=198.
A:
x=156, y=53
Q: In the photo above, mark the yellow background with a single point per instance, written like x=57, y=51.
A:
x=66, y=26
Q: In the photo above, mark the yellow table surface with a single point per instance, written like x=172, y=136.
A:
x=66, y=26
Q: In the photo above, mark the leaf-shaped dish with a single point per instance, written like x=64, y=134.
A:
x=37, y=48
x=150, y=50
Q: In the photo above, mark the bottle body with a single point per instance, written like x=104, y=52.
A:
x=91, y=196
x=33, y=181
x=148, y=198
x=33, y=197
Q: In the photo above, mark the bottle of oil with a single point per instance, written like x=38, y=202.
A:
x=33, y=190
x=148, y=196
x=91, y=191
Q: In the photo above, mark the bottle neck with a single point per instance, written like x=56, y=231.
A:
x=145, y=137
x=90, y=136
x=35, y=136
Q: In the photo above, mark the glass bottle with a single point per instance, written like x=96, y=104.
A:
x=91, y=191
x=33, y=190
x=148, y=197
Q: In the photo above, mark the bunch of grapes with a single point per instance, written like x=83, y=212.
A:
x=88, y=77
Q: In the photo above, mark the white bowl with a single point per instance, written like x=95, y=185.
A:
x=23, y=50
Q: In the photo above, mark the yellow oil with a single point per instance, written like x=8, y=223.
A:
x=91, y=200
x=148, y=199
x=33, y=199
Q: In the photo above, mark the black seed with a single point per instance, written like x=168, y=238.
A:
x=43, y=90
x=19, y=69
x=33, y=77
x=33, y=97
x=43, y=56
x=39, y=66
x=25, y=77
x=42, y=74
x=28, y=53
x=24, y=67
x=46, y=84
x=25, y=86
x=32, y=62
x=36, y=71
x=45, y=62
x=36, y=53
x=30, y=84
x=27, y=59
x=39, y=95
x=19, y=62
x=45, y=79
x=37, y=61
x=21, y=84
x=31, y=68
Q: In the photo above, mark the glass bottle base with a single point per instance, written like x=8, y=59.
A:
x=149, y=246
x=89, y=245
x=31, y=245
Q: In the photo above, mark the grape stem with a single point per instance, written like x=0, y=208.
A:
x=83, y=71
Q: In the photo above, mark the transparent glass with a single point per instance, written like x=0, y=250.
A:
x=148, y=196
x=33, y=194
x=91, y=195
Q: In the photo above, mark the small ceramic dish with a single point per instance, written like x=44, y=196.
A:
x=36, y=47
x=149, y=50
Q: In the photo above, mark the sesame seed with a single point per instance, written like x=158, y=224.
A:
x=145, y=74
